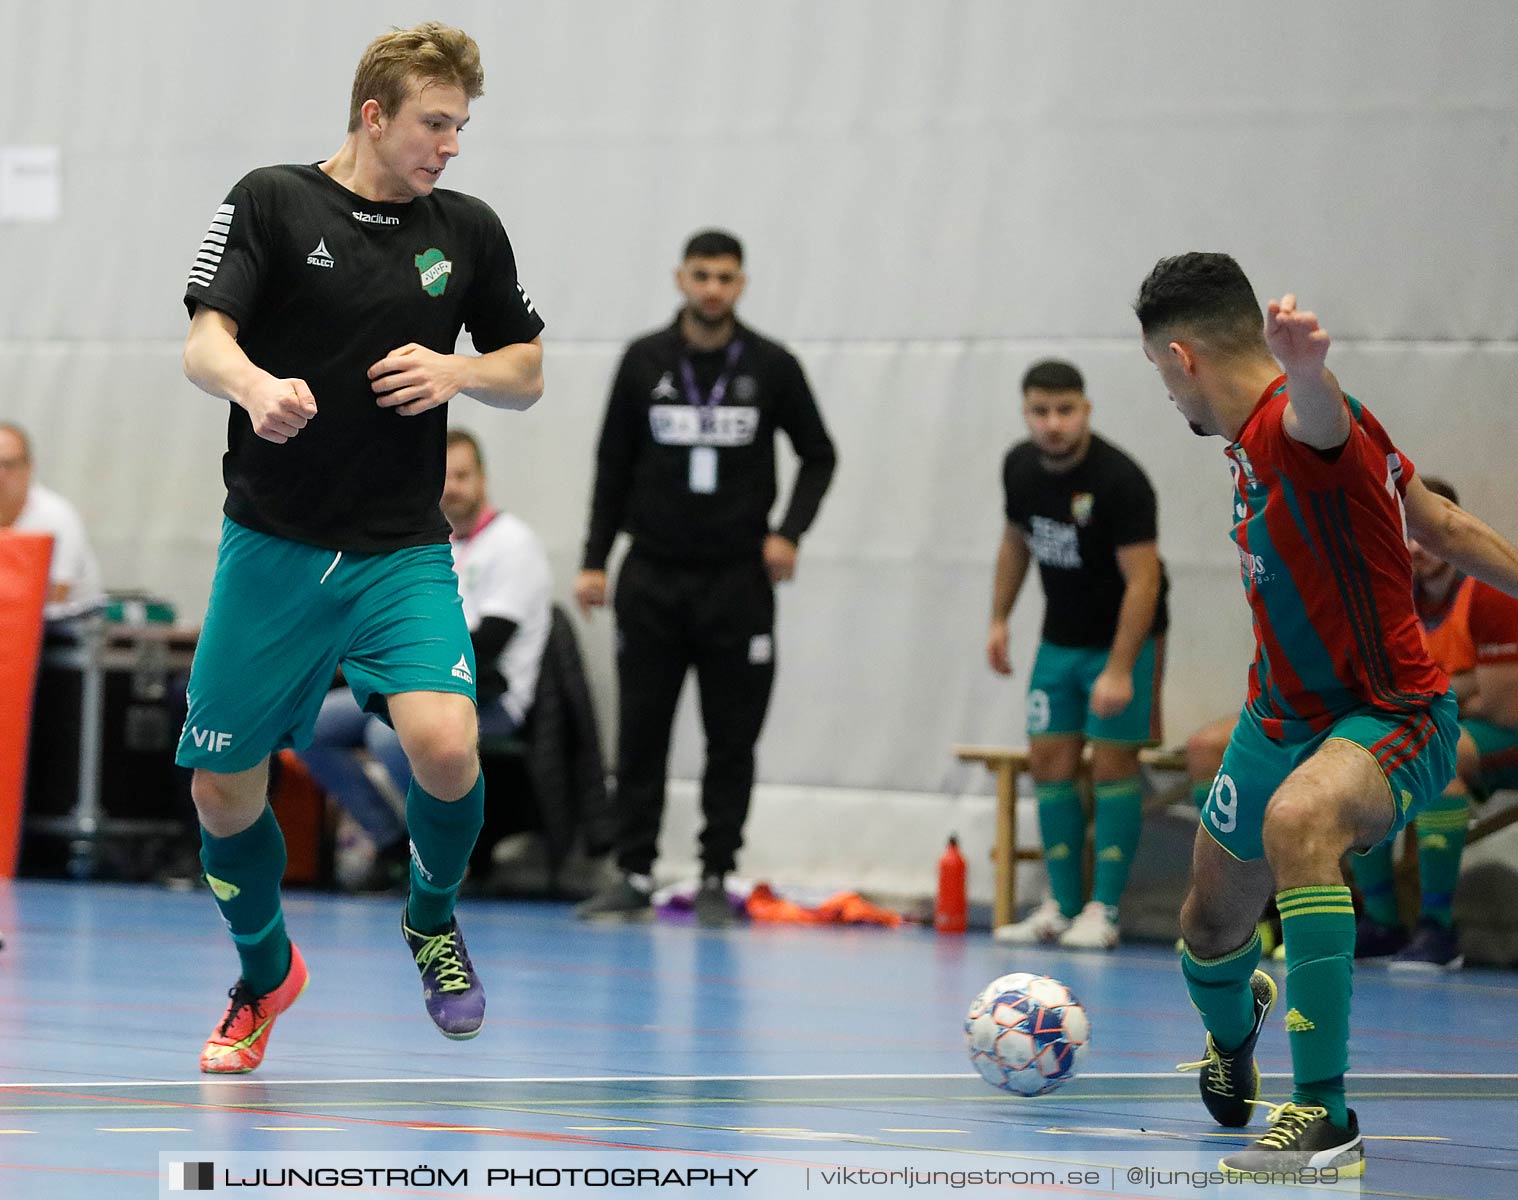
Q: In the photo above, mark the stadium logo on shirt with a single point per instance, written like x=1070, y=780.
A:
x=375, y=218
x=321, y=256
x=1080, y=507
x=434, y=270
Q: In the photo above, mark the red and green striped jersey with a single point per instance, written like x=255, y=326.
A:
x=1322, y=541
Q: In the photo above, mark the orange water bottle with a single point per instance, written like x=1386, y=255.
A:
x=949, y=915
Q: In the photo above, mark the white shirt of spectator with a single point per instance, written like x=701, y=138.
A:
x=45, y=511
x=503, y=572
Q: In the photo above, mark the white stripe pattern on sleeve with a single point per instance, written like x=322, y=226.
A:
x=208, y=257
x=526, y=299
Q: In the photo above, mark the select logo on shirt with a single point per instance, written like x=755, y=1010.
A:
x=321, y=256
x=375, y=218
x=434, y=270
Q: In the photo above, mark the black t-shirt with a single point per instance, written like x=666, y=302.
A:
x=323, y=284
x=693, y=483
x=1074, y=522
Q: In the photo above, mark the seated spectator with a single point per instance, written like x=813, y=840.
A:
x=27, y=506
x=1471, y=630
x=505, y=586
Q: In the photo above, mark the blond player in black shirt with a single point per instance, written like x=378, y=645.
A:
x=325, y=304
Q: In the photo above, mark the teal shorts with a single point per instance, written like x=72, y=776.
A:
x=284, y=615
x=1059, y=695
x=1415, y=751
x=1498, y=748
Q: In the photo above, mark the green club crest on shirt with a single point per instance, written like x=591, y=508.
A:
x=434, y=270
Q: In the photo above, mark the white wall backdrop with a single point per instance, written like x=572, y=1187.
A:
x=932, y=194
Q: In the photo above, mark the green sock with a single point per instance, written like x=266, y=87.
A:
x=1062, y=825
x=244, y=872
x=1441, y=842
x=1219, y=989
x=1119, y=815
x=1200, y=792
x=442, y=839
x=1318, y=927
x=1373, y=873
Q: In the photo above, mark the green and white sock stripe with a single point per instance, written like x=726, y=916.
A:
x=1454, y=820
x=1308, y=901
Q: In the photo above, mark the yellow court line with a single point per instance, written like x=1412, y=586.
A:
x=145, y=1129
x=1368, y=1137
x=18, y=1131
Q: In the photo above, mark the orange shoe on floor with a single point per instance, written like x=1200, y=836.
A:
x=240, y=1040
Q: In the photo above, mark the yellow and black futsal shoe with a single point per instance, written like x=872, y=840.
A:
x=1230, y=1080
x=1301, y=1138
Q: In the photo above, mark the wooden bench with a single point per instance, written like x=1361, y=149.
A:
x=1009, y=762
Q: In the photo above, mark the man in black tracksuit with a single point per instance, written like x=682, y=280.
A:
x=686, y=466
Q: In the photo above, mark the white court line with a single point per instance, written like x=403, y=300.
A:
x=966, y=1076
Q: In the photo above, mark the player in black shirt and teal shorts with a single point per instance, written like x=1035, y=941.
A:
x=1087, y=513
x=325, y=303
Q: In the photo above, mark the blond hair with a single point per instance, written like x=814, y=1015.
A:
x=429, y=53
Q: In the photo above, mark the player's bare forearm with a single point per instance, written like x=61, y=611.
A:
x=1139, y=563
x=1317, y=415
x=1135, y=617
x=1449, y=532
x=1011, y=569
x=511, y=377
x=278, y=409
x=214, y=362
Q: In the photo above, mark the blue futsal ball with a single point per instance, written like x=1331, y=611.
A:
x=1026, y=1034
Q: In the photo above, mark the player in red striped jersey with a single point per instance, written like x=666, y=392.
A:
x=1349, y=727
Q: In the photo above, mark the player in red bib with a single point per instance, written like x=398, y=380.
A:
x=1349, y=727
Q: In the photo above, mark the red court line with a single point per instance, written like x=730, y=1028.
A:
x=376, y=1122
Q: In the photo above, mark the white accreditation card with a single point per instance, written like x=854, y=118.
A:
x=703, y=470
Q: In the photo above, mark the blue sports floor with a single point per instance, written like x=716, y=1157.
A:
x=748, y=1046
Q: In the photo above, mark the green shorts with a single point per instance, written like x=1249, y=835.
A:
x=1059, y=695
x=1498, y=748
x=1416, y=753
x=284, y=615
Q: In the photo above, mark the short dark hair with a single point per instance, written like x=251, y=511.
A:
x=714, y=243
x=1053, y=375
x=1440, y=488
x=462, y=437
x=1204, y=294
